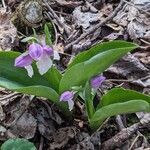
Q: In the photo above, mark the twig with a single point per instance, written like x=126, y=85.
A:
x=135, y=140
x=69, y=4
x=9, y=96
x=23, y=35
x=54, y=15
x=92, y=30
x=73, y=35
x=62, y=13
x=103, y=124
x=120, y=122
x=41, y=143
x=128, y=80
x=53, y=23
x=121, y=127
x=146, y=42
x=92, y=8
x=3, y=3
x=120, y=138
x=66, y=54
x=119, y=80
x=56, y=34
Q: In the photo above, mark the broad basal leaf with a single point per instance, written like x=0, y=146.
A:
x=119, y=101
x=118, y=95
x=116, y=109
x=19, y=75
x=99, y=48
x=16, y=79
x=79, y=73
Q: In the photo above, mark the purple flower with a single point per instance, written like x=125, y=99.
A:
x=67, y=96
x=48, y=50
x=41, y=54
x=23, y=60
x=35, y=51
x=97, y=81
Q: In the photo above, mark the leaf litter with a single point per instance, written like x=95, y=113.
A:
x=37, y=119
x=8, y=32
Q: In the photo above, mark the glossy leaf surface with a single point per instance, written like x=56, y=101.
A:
x=92, y=63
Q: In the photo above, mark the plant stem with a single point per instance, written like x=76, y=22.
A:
x=89, y=102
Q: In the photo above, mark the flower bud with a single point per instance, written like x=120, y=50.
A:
x=67, y=96
x=48, y=50
x=97, y=81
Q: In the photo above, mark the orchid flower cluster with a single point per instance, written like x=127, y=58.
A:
x=42, y=54
x=81, y=78
x=68, y=96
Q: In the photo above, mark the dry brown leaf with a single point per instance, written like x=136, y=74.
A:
x=19, y=120
x=8, y=32
x=134, y=17
x=130, y=68
x=143, y=56
x=62, y=136
x=25, y=126
x=107, y=9
x=85, y=19
x=144, y=117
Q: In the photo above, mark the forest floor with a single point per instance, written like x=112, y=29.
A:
x=76, y=26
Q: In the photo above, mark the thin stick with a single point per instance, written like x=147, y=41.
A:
x=120, y=138
x=3, y=3
x=41, y=143
x=97, y=27
x=135, y=140
x=56, y=17
x=66, y=54
x=119, y=80
x=9, y=96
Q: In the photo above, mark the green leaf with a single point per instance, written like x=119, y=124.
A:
x=121, y=95
x=116, y=109
x=102, y=47
x=53, y=76
x=18, y=144
x=20, y=76
x=16, y=79
x=89, y=101
x=31, y=39
x=34, y=33
x=48, y=35
x=119, y=101
x=41, y=91
x=79, y=73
